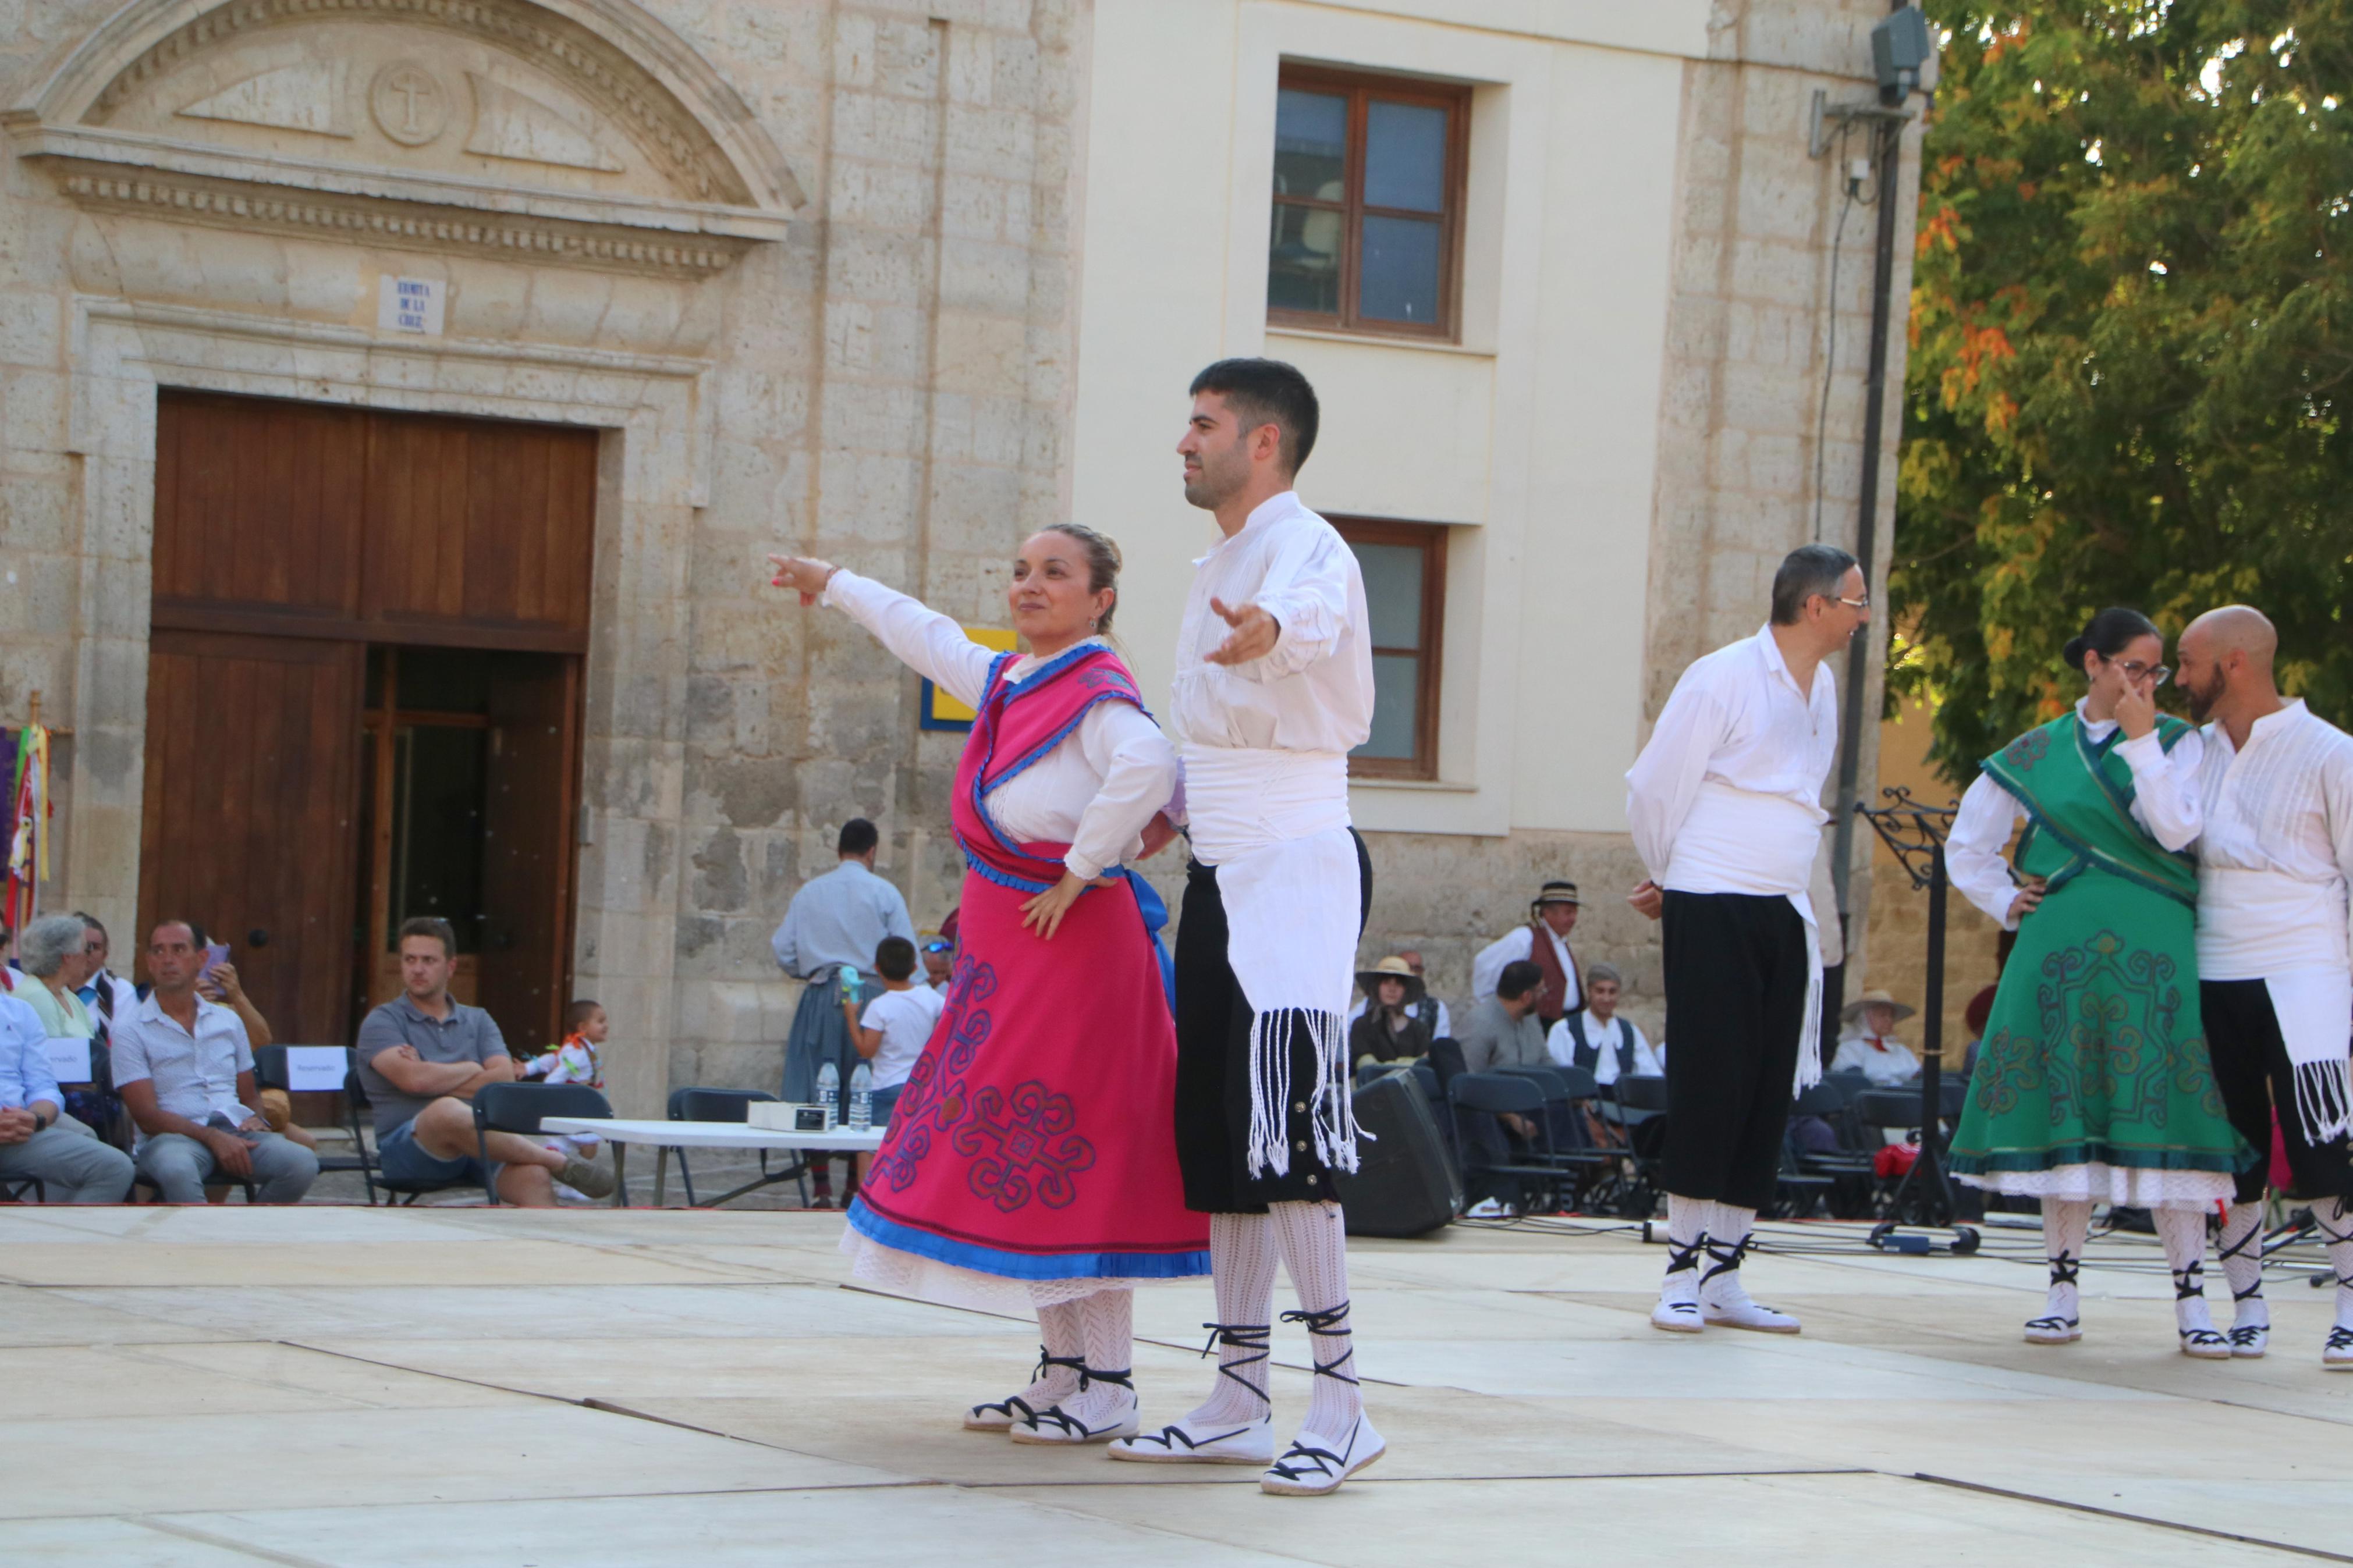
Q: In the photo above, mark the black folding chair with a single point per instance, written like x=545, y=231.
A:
x=728, y=1105
x=1497, y=1094
x=520, y=1108
x=1570, y=1095
x=1641, y=1101
x=13, y=1188
x=270, y=1071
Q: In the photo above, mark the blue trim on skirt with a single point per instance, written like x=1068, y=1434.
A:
x=1024, y=1265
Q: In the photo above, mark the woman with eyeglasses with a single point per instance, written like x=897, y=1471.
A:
x=2092, y=1083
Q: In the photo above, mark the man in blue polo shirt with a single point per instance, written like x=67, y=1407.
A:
x=421, y=1058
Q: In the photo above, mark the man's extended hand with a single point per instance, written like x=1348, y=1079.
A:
x=1254, y=634
x=1648, y=899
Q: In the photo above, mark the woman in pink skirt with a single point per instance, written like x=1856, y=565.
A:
x=1031, y=1160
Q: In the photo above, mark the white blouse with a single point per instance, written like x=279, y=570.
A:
x=1095, y=791
x=2276, y=858
x=2164, y=802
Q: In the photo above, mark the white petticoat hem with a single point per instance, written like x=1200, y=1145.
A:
x=945, y=1284
x=2130, y=1186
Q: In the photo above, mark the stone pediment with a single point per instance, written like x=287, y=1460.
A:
x=574, y=130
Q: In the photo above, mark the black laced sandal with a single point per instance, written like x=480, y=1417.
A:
x=2052, y=1329
x=1250, y=1442
x=1056, y=1425
x=1679, y=1317
x=2248, y=1341
x=2207, y=1343
x=1309, y=1468
x=1004, y=1415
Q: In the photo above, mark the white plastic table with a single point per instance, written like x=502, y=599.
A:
x=669, y=1135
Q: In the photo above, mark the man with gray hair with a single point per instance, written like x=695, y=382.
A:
x=1726, y=807
x=1596, y=1039
x=38, y=1139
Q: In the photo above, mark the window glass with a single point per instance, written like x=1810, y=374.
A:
x=1396, y=695
x=1303, y=267
x=1311, y=144
x=1405, y=156
x=1392, y=592
x=1400, y=269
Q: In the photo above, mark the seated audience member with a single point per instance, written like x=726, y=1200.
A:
x=1597, y=1039
x=1868, y=1045
x=893, y=1027
x=578, y=1059
x=1543, y=941
x=185, y=1070
x=220, y=984
x=56, y=959
x=1390, y=1030
x=1425, y=1007
x=422, y=1057
x=939, y=960
x=1503, y=1031
x=1975, y=1015
x=102, y=991
x=37, y=1137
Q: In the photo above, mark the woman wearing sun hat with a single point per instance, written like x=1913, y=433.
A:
x=1388, y=1032
x=1868, y=1045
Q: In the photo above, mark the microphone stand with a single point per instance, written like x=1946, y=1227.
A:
x=1915, y=834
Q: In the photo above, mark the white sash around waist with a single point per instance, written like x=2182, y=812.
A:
x=2257, y=923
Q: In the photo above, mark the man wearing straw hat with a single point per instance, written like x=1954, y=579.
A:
x=1543, y=941
x=1868, y=1044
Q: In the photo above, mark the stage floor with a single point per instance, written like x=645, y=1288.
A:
x=227, y=1387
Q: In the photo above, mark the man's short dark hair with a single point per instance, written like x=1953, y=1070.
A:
x=1519, y=978
x=894, y=958
x=195, y=931
x=858, y=836
x=1267, y=392
x=1808, y=570
x=434, y=926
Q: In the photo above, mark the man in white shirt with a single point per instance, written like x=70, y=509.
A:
x=2274, y=955
x=1551, y=917
x=1726, y=807
x=1273, y=689
x=185, y=1070
x=834, y=922
x=1441, y=1022
x=1597, y=1039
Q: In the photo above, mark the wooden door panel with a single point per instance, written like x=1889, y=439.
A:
x=527, y=846
x=252, y=747
x=489, y=524
x=257, y=504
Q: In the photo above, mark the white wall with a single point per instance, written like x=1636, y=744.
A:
x=1537, y=434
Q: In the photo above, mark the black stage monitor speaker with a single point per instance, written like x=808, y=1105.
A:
x=1405, y=1183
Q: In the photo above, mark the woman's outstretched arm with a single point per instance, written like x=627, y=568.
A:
x=927, y=642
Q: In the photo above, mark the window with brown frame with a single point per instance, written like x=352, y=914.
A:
x=1368, y=176
x=1404, y=565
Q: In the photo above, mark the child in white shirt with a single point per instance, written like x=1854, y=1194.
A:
x=893, y=1030
x=575, y=1061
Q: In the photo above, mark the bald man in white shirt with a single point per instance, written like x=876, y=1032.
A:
x=2274, y=958
x=1726, y=807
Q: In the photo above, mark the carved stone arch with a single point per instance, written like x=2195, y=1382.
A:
x=595, y=136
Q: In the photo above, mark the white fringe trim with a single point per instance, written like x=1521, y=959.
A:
x=2324, y=1099
x=1331, y=1109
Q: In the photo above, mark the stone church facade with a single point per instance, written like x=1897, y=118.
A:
x=398, y=397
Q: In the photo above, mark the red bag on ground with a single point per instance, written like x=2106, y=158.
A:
x=1895, y=1159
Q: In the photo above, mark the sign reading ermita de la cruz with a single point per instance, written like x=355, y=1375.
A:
x=409, y=305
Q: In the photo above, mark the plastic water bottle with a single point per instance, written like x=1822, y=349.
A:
x=829, y=1092
x=862, y=1097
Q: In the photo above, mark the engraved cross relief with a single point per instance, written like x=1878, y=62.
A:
x=409, y=103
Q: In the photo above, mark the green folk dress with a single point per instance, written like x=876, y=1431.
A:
x=2093, y=1081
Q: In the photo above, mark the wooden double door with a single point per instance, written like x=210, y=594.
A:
x=364, y=699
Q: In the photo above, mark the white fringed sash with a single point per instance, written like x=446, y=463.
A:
x=2315, y=1009
x=1275, y=825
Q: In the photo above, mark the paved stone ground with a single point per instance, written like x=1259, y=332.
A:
x=454, y=1385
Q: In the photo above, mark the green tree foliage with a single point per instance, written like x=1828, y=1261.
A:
x=2131, y=345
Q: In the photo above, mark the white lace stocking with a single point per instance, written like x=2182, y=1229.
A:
x=2183, y=1232
x=1107, y=1325
x=2242, y=1264
x=1241, y=1262
x=2066, y=1226
x=1062, y=1337
x=1315, y=1244
x=2335, y=1220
